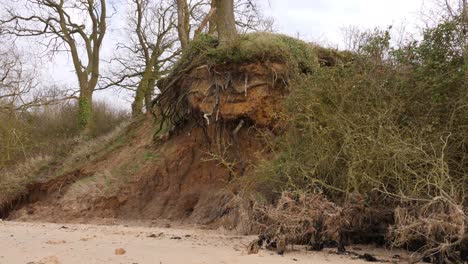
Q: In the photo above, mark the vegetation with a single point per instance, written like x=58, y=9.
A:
x=263, y=47
x=49, y=131
x=50, y=144
x=14, y=182
x=374, y=134
x=389, y=127
x=53, y=21
x=252, y=47
x=297, y=55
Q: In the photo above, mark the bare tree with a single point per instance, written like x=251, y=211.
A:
x=192, y=19
x=249, y=17
x=20, y=89
x=148, y=54
x=55, y=20
x=183, y=23
x=203, y=16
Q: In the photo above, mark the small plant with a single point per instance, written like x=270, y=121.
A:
x=150, y=156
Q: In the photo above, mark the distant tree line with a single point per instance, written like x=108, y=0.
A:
x=158, y=32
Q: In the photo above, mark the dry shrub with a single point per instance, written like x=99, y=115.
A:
x=311, y=219
x=15, y=182
x=49, y=130
x=85, y=193
x=83, y=148
x=298, y=217
x=383, y=128
x=439, y=225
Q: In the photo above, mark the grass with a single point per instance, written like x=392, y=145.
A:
x=255, y=47
x=14, y=182
x=49, y=130
x=150, y=156
x=108, y=182
x=261, y=47
x=87, y=150
x=102, y=184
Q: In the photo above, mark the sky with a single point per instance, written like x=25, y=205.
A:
x=319, y=21
x=322, y=21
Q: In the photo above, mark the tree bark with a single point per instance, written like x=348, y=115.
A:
x=464, y=22
x=225, y=22
x=146, y=85
x=85, y=109
x=212, y=23
x=149, y=95
x=183, y=23
x=137, y=104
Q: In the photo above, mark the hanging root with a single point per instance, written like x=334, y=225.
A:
x=239, y=126
x=207, y=118
x=237, y=146
x=246, y=81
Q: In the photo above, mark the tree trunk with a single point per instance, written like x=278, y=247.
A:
x=146, y=86
x=85, y=110
x=464, y=17
x=183, y=23
x=225, y=22
x=143, y=96
x=149, y=94
x=137, y=104
x=212, y=23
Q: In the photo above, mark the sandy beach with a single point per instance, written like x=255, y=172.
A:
x=45, y=243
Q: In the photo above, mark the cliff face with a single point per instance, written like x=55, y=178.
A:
x=211, y=122
x=185, y=173
x=233, y=92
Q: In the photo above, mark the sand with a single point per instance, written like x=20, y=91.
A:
x=45, y=243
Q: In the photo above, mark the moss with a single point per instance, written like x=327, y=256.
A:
x=253, y=47
x=267, y=47
x=84, y=111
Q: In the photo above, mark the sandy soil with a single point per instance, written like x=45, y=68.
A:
x=37, y=243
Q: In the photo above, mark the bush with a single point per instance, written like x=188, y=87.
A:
x=48, y=130
x=389, y=127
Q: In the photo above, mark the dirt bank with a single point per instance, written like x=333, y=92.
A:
x=181, y=173
x=58, y=243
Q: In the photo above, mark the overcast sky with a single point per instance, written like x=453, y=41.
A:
x=320, y=21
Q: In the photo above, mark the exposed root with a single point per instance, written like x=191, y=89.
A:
x=300, y=218
x=312, y=220
x=437, y=230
